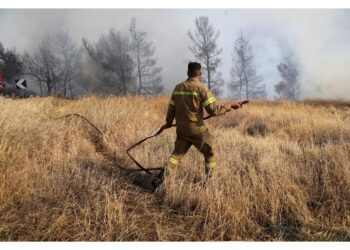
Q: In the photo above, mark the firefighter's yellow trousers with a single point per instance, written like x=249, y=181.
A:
x=203, y=142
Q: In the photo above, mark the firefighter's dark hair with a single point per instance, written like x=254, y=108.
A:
x=193, y=68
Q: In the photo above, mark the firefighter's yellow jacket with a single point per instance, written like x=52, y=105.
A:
x=186, y=106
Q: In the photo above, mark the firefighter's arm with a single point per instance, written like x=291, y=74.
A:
x=210, y=105
x=170, y=113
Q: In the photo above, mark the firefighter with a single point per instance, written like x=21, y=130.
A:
x=186, y=106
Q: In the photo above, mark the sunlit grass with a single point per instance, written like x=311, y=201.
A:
x=283, y=174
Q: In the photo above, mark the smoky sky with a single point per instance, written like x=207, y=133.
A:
x=319, y=39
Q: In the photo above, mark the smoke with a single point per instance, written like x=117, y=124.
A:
x=323, y=47
x=319, y=39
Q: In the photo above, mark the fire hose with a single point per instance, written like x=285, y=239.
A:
x=141, y=168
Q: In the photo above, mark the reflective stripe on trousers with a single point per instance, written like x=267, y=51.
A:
x=173, y=161
x=210, y=165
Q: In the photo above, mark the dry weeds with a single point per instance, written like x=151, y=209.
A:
x=284, y=173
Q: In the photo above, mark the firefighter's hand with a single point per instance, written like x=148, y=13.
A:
x=235, y=105
x=165, y=126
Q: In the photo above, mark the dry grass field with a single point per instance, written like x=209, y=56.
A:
x=283, y=174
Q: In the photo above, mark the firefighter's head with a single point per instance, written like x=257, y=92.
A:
x=194, y=70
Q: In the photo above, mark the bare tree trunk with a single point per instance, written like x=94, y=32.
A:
x=65, y=89
x=65, y=83
x=54, y=88
x=70, y=89
x=41, y=89
x=140, y=84
x=208, y=69
x=65, y=75
x=49, y=87
x=240, y=90
x=139, y=70
x=246, y=85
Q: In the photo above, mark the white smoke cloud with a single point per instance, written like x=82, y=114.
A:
x=319, y=39
x=322, y=44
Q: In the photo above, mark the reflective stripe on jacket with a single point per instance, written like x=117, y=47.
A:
x=186, y=106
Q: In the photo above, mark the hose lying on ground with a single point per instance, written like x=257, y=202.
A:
x=141, y=168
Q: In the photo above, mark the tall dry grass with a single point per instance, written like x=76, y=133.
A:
x=284, y=173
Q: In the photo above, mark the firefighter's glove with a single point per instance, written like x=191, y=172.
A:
x=235, y=105
x=165, y=126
